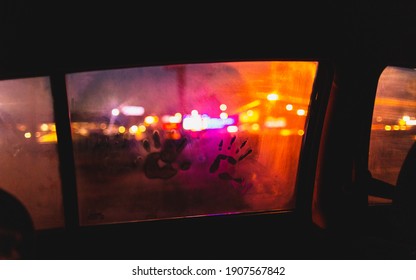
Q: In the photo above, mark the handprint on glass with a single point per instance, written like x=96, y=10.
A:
x=232, y=158
x=163, y=164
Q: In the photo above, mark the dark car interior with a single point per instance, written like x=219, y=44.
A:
x=353, y=185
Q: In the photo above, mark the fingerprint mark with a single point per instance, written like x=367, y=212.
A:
x=146, y=145
x=231, y=160
x=181, y=145
x=225, y=176
x=245, y=155
x=232, y=142
x=216, y=164
x=156, y=139
x=241, y=146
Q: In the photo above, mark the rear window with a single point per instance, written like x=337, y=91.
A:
x=188, y=140
x=393, y=130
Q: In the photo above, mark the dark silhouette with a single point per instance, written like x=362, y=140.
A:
x=16, y=229
x=404, y=200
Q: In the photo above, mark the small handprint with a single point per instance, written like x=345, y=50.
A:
x=232, y=160
x=162, y=164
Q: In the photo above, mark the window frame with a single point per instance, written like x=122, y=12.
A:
x=67, y=170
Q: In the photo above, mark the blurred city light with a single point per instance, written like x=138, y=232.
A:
x=132, y=110
x=272, y=97
x=115, y=112
x=133, y=129
x=301, y=112
x=223, y=115
x=151, y=120
x=232, y=129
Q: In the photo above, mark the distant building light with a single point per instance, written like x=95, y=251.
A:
x=223, y=115
x=301, y=112
x=272, y=97
x=172, y=119
x=215, y=123
x=199, y=123
x=285, y=132
x=142, y=128
x=223, y=107
x=255, y=126
x=132, y=110
x=150, y=119
x=232, y=129
x=289, y=107
x=411, y=122
x=133, y=129
x=115, y=112
x=275, y=122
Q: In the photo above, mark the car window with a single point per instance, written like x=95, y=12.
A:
x=393, y=130
x=29, y=158
x=188, y=140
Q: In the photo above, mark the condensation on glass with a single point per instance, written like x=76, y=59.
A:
x=393, y=128
x=188, y=140
x=29, y=158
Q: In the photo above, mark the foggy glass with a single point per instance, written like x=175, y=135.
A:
x=188, y=140
x=29, y=159
x=393, y=128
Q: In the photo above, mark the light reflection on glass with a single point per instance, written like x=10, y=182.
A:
x=393, y=129
x=216, y=138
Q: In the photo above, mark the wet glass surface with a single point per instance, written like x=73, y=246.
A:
x=187, y=140
x=393, y=129
x=29, y=158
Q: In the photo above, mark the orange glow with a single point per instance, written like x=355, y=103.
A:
x=247, y=110
x=48, y=138
x=133, y=129
x=151, y=120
